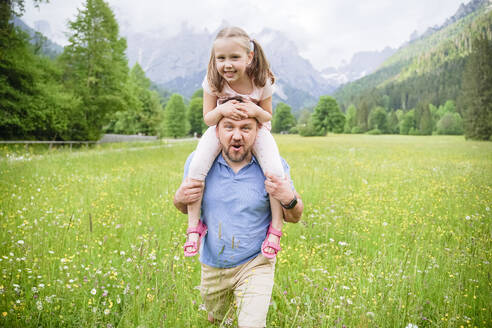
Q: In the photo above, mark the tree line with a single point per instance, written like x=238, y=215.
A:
x=86, y=91
x=89, y=90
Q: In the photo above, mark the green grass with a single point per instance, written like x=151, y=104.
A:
x=396, y=230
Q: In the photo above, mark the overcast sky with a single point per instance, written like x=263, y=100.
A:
x=325, y=31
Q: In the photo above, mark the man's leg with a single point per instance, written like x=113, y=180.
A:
x=215, y=289
x=253, y=291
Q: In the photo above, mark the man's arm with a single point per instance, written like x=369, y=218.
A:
x=189, y=192
x=294, y=214
x=281, y=190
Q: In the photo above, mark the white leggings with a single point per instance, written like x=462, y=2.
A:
x=265, y=149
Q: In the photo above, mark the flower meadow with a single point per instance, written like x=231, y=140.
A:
x=396, y=232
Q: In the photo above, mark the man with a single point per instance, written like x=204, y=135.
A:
x=236, y=209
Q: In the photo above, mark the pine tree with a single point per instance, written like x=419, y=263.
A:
x=95, y=67
x=407, y=123
x=425, y=126
x=195, y=115
x=174, y=117
x=34, y=103
x=363, y=116
x=350, y=119
x=282, y=120
x=393, y=123
x=327, y=116
x=476, y=98
x=378, y=120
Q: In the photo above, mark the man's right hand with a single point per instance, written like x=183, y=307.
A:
x=189, y=192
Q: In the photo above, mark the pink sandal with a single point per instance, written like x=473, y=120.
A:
x=201, y=230
x=274, y=246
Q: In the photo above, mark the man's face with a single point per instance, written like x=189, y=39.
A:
x=237, y=138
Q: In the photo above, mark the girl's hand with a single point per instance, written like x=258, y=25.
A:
x=249, y=108
x=230, y=110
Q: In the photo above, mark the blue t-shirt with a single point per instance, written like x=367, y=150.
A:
x=236, y=210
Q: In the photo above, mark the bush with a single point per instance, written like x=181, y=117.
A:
x=450, y=123
x=293, y=130
x=356, y=130
x=374, y=131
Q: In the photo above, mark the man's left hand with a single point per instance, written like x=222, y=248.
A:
x=279, y=188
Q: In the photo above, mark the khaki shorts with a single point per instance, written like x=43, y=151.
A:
x=249, y=284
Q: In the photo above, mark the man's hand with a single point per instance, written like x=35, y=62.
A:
x=189, y=192
x=279, y=188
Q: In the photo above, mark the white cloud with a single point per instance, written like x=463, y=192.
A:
x=325, y=32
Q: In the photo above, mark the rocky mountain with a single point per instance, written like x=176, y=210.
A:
x=361, y=64
x=463, y=11
x=179, y=64
x=429, y=68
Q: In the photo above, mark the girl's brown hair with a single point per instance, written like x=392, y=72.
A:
x=258, y=70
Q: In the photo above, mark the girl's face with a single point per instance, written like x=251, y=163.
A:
x=231, y=59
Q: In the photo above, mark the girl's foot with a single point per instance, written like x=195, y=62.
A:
x=195, y=235
x=274, y=240
x=192, y=243
x=271, y=245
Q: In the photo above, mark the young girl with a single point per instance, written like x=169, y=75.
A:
x=238, y=85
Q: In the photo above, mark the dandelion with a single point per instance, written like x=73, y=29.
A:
x=93, y=291
x=4, y=314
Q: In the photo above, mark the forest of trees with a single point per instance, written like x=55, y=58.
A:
x=86, y=91
x=90, y=89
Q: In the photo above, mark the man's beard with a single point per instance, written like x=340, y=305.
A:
x=236, y=157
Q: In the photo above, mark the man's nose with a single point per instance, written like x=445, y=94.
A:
x=236, y=134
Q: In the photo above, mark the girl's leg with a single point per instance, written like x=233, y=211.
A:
x=207, y=150
x=266, y=151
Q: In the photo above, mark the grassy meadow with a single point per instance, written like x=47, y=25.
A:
x=396, y=232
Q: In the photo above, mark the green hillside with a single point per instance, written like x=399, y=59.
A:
x=428, y=69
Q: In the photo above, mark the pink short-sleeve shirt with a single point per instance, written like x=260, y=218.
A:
x=258, y=94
